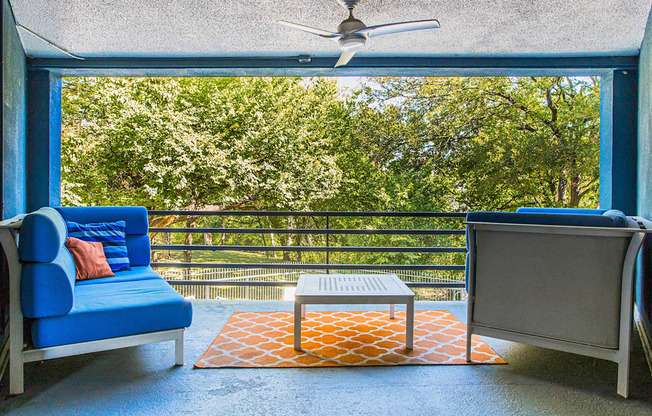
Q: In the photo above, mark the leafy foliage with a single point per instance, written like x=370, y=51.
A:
x=189, y=143
x=486, y=143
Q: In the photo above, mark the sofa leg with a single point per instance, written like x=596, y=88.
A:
x=178, y=349
x=16, y=372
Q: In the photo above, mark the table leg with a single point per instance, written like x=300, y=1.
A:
x=409, y=325
x=469, y=342
x=303, y=311
x=297, y=326
x=392, y=309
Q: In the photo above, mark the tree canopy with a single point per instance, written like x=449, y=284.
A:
x=486, y=143
x=404, y=144
x=191, y=142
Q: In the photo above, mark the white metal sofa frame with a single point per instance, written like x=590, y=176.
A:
x=636, y=230
x=18, y=355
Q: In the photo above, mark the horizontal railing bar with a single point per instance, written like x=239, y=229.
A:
x=312, y=213
x=294, y=283
x=436, y=285
x=229, y=283
x=302, y=231
x=294, y=266
x=179, y=247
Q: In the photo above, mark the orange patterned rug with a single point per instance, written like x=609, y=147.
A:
x=333, y=339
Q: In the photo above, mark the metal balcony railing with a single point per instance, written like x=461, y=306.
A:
x=325, y=234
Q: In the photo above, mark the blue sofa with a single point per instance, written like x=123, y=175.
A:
x=67, y=317
x=555, y=278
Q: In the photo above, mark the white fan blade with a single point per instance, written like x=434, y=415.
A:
x=344, y=59
x=318, y=32
x=390, y=28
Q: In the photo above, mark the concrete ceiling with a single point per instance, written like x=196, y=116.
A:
x=232, y=28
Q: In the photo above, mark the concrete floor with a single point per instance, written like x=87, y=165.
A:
x=143, y=381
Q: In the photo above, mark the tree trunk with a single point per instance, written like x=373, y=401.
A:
x=262, y=235
x=574, y=188
x=187, y=254
x=286, y=254
x=561, y=190
x=271, y=239
x=155, y=253
x=208, y=239
x=574, y=191
x=299, y=238
x=274, y=222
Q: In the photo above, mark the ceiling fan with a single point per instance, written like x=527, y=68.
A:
x=352, y=34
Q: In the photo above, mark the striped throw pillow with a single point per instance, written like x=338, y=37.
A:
x=112, y=236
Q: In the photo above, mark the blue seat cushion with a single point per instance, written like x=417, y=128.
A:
x=135, y=273
x=115, y=309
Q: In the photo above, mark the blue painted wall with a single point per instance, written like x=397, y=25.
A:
x=13, y=153
x=43, y=139
x=14, y=80
x=618, y=143
x=644, y=188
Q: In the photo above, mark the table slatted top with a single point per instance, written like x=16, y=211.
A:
x=351, y=285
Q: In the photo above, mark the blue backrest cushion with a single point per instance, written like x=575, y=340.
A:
x=48, y=274
x=136, y=229
x=110, y=234
x=42, y=235
x=581, y=211
x=138, y=247
x=618, y=217
x=586, y=220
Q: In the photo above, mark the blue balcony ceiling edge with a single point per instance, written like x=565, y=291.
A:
x=323, y=66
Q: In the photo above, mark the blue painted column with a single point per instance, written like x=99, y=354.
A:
x=43, y=139
x=644, y=271
x=618, y=146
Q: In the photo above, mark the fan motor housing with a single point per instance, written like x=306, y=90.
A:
x=352, y=43
x=350, y=25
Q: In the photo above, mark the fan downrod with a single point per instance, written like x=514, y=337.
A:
x=349, y=4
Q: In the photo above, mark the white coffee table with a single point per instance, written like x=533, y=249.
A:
x=353, y=289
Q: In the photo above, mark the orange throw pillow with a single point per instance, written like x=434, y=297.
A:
x=89, y=258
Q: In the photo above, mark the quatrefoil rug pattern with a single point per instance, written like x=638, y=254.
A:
x=333, y=339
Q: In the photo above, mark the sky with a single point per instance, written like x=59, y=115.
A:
x=348, y=82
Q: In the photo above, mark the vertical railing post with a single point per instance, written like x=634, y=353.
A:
x=328, y=252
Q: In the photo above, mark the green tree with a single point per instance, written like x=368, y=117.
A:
x=487, y=143
x=192, y=142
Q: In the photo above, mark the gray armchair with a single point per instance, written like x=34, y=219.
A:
x=555, y=278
